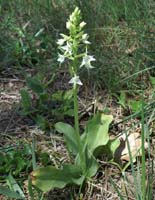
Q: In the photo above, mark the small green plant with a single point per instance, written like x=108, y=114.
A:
x=129, y=104
x=135, y=105
x=83, y=148
x=122, y=100
x=15, y=163
x=44, y=105
x=15, y=160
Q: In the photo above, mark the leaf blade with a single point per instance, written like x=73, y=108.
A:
x=69, y=134
x=50, y=177
x=97, y=131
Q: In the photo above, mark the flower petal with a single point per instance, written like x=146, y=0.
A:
x=76, y=80
x=86, y=61
x=67, y=48
x=61, y=58
x=60, y=42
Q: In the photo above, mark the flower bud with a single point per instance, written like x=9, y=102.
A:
x=68, y=25
x=60, y=42
x=82, y=24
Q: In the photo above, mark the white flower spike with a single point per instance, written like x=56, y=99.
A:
x=76, y=80
x=87, y=59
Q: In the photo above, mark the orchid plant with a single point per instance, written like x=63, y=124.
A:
x=73, y=48
x=70, y=48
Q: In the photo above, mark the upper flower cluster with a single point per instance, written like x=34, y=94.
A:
x=72, y=45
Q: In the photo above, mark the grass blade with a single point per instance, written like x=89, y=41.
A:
x=143, y=154
x=9, y=193
x=116, y=189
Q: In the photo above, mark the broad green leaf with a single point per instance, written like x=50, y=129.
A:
x=109, y=149
x=25, y=99
x=9, y=193
x=35, y=85
x=50, y=177
x=69, y=134
x=97, y=131
x=91, y=164
x=113, y=145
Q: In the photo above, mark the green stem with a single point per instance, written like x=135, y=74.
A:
x=76, y=121
x=76, y=117
x=143, y=153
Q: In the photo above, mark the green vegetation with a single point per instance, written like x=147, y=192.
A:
x=121, y=34
x=85, y=120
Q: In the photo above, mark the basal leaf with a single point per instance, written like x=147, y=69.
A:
x=50, y=177
x=69, y=134
x=113, y=145
x=109, y=149
x=97, y=131
x=91, y=164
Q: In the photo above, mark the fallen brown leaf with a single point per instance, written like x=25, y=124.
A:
x=135, y=146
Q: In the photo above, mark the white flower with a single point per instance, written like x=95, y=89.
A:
x=86, y=42
x=60, y=42
x=67, y=48
x=65, y=37
x=68, y=25
x=61, y=58
x=76, y=80
x=86, y=61
x=84, y=38
x=82, y=24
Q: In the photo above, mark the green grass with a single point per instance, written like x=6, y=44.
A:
x=120, y=32
x=141, y=170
